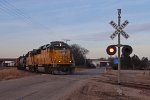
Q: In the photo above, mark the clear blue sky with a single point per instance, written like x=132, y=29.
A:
x=28, y=24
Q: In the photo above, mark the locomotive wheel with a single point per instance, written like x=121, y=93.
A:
x=35, y=69
x=23, y=68
x=49, y=70
x=53, y=71
x=31, y=69
x=71, y=70
x=46, y=69
x=18, y=67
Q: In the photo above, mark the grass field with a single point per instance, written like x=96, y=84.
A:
x=11, y=73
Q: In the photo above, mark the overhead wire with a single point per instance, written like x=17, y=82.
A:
x=11, y=12
x=11, y=9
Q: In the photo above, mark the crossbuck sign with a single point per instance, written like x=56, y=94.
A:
x=119, y=29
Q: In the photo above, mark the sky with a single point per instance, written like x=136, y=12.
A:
x=28, y=24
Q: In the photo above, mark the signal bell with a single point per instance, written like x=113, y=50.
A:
x=111, y=50
x=127, y=50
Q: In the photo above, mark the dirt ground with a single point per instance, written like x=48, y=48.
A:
x=97, y=88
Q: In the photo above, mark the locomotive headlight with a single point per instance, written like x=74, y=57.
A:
x=58, y=61
x=70, y=61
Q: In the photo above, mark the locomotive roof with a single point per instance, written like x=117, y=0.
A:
x=58, y=43
x=52, y=44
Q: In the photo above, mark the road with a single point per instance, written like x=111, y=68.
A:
x=44, y=86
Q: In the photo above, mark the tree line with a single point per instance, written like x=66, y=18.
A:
x=127, y=62
x=79, y=54
x=133, y=62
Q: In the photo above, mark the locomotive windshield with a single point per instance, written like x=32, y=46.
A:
x=57, y=45
x=59, y=48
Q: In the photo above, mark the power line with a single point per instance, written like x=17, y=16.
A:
x=11, y=12
x=11, y=9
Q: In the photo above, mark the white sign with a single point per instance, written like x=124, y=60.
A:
x=119, y=29
x=113, y=24
x=124, y=24
x=124, y=34
x=114, y=35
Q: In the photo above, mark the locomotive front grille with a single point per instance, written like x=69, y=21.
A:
x=62, y=56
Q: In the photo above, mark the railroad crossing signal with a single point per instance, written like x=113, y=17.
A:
x=119, y=29
x=126, y=50
x=111, y=50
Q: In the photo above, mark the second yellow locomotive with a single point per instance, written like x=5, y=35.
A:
x=55, y=57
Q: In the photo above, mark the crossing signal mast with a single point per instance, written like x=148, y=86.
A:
x=126, y=49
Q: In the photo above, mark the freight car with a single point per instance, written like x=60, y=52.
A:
x=55, y=57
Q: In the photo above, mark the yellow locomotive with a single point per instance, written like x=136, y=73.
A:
x=55, y=57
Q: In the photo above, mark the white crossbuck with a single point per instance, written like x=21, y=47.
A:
x=119, y=29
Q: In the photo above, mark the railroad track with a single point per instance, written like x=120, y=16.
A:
x=136, y=85
x=129, y=84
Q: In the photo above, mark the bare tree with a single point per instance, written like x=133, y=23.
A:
x=79, y=54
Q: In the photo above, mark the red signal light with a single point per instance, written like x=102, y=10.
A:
x=111, y=50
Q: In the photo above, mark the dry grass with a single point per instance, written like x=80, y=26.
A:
x=96, y=89
x=130, y=76
x=11, y=73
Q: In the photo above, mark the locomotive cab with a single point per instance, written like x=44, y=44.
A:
x=62, y=56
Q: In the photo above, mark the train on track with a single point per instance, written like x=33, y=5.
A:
x=55, y=58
